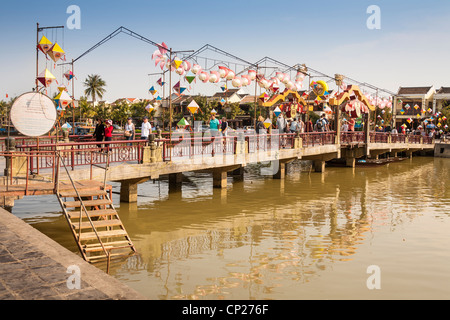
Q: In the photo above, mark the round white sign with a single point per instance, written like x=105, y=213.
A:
x=33, y=114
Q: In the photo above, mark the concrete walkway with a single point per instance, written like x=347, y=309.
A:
x=34, y=267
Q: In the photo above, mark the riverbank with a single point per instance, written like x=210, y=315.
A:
x=34, y=267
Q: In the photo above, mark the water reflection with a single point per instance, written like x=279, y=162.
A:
x=264, y=238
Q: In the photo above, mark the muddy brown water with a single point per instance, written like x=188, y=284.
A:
x=310, y=236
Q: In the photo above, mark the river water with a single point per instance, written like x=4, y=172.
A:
x=310, y=236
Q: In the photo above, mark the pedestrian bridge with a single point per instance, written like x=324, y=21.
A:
x=30, y=162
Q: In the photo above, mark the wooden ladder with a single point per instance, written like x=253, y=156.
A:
x=95, y=223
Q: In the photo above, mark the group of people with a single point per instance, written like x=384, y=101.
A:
x=104, y=130
x=295, y=125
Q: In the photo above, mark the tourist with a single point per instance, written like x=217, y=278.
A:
x=301, y=126
x=394, y=131
x=146, y=129
x=282, y=124
x=351, y=124
x=130, y=130
x=224, y=126
x=259, y=125
x=99, y=132
x=294, y=127
x=309, y=126
x=108, y=133
x=321, y=123
x=214, y=125
x=344, y=126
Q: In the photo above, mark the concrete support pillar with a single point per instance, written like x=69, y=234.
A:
x=319, y=166
x=281, y=173
x=175, y=182
x=219, y=178
x=393, y=154
x=350, y=162
x=238, y=173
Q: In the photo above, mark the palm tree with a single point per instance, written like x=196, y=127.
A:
x=94, y=86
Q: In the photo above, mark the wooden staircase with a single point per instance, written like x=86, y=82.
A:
x=93, y=220
x=95, y=224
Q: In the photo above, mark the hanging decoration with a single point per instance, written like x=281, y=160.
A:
x=267, y=123
x=46, y=78
x=63, y=99
x=69, y=75
x=44, y=45
x=193, y=107
x=277, y=111
x=152, y=90
x=55, y=52
x=183, y=123
x=189, y=77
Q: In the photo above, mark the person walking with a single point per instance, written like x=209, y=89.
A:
x=99, y=133
x=282, y=125
x=214, y=125
x=146, y=129
x=130, y=130
x=321, y=123
x=259, y=125
x=294, y=127
x=224, y=126
x=351, y=124
x=108, y=133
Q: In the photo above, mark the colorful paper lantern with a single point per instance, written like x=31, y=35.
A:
x=55, y=52
x=44, y=44
x=46, y=78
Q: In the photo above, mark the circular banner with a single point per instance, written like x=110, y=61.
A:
x=33, y=114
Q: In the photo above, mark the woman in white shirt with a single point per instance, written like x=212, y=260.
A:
x=130, y=128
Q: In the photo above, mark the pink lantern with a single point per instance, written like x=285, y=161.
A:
x=252, y=74
x=223, y=72
x=214, y=77
x=300, y=76
x=186, y=65
x=245, y=80
x=203, y=76
x=286, y=79
x=280, y=76
x=180, y=70
x=236, y=82
x=230, y=75
x=196, y=69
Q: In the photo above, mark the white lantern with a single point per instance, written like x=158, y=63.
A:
x=236, y=82
x=252, y=74
x=180, y=70
x=213, y=78
x=196, y=69
x=231, y=75
x=280, y=76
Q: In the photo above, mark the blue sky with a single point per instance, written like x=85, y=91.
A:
x=410, y=49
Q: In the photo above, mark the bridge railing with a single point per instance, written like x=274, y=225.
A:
x=187, y=146
x=311, y=139
x=353, y=137
x=82, y=153
x=398, y=138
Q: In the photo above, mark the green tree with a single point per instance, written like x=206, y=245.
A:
x=120, y=112
x=95, y=86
